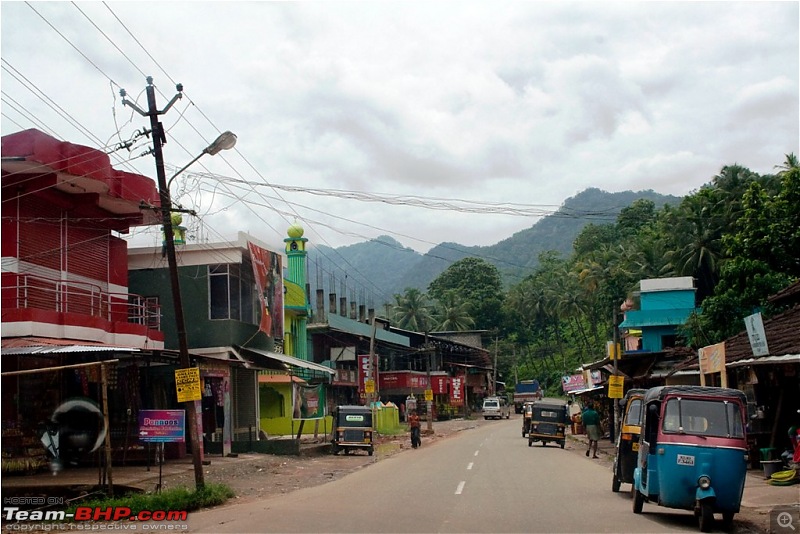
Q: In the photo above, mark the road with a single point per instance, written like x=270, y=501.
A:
x=485, y=480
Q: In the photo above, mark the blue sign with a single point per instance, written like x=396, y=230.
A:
x=161, y=426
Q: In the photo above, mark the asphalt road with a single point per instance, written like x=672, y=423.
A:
x=485, y=480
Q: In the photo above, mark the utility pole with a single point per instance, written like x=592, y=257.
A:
x=428, y=403
x=616, y=354
x=372, y=367
x=494, y=369
x=159, y=138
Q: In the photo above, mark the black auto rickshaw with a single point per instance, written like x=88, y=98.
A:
x=527, y=412
x=548, y=421
x=352, y=429
x=627, y=447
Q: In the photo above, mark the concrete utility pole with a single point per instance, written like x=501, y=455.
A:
x=159, y=138
x=429, y=403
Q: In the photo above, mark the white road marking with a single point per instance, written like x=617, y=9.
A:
x=476, y=453
x=460, y=487
x=469, y=466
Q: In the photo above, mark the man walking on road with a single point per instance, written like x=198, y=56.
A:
x=591, y=421
x=414, y=425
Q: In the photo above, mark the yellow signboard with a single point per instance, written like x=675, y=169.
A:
x=369, y=386
x=187, y=383
x=428, y=394
x=615, y=384
x=611, y=353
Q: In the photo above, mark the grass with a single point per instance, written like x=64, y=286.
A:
x=180, y=498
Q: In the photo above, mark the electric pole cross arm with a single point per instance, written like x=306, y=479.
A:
x=143, y=113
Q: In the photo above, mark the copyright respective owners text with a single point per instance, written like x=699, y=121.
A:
x=121, y=526
x=785, y=519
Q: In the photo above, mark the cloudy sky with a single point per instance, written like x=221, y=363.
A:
x=356, y=118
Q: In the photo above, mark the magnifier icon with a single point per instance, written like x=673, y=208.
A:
x=785, y=520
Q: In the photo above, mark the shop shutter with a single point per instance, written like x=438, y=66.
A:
x=244, y=406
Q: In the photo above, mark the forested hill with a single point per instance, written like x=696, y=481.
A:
x=391, y=267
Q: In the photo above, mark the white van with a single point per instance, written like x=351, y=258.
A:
x=496, y=408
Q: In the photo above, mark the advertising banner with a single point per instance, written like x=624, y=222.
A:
x=616, y=386
x=441, y=385
x=268, y=275
x=572, y=383
x=363, y=372
x=161, y=426
x=308, y=402
x=457, y=391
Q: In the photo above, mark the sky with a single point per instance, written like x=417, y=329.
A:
x=427, y=121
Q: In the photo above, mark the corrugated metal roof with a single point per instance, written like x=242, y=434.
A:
x=65, y=349
x=763, y=360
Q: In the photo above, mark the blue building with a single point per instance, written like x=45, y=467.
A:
x=665, y=304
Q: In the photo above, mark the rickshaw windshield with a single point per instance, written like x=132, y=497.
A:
x=354, y=420
x=703, y=418
x=634, y=415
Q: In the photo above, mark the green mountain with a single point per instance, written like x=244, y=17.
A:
x=383, y=267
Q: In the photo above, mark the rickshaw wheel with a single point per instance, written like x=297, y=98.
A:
x=562, y=444
x=335, y=450
x=706, y=516
x=638, y=501
x=530, y=443
x=615, y=483
x=371, y=451
x=727, y=520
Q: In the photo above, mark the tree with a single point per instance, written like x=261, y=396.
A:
x=412, y=311
x=477, y=282
x=452, y=314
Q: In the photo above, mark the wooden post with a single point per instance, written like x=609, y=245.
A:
x=107, y=445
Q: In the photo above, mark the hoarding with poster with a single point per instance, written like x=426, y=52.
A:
x=268, y=274
x=457, y=391
x=308, y=402
x=573, y=383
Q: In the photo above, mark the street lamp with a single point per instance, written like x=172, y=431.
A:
x=225, y=141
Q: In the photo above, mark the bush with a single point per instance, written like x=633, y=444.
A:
x=180, y=498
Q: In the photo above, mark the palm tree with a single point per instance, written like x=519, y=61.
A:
x=453, y=313
x=789, y=164
x=412, y=311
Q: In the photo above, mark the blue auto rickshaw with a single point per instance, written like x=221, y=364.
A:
x=693, y=453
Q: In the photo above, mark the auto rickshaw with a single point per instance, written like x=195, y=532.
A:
x=352, y=429
x=693, y=452
x=527, y=412
x=627, y=447
x=548, y=420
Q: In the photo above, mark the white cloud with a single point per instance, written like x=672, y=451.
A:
x=527, y=102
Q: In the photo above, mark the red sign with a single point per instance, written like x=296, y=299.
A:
x=457, y=391
x=268, y=275
x=363, y=371
x=441, y=385
x=403, y=380
x=572, y=383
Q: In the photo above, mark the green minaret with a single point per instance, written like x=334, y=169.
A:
x=296, y=306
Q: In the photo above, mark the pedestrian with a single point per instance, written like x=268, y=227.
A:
x=403, y=411
x=413, y=424
x=591, y=421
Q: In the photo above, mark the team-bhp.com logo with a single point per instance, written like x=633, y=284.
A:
x=95, y=514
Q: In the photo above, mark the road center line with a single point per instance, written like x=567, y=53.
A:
x=469, y=466
x=476, y=453
x=460, y=487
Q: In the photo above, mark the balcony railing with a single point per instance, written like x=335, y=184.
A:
x=25, y=291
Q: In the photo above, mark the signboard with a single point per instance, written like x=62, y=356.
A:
x=369, y=386
x=363, y=372
x=440, y=385
x=161, y=426
x=428, y=394
x=573, y=383
x=187, y=384
x=308, y=402
x=268, y=274
x=756, y=334
x=457, y=390
x=611, y=353
x=615, y=387
x=712, y=358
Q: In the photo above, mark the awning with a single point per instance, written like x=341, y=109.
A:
x=765, y=360
x=40, y=345
x=585, y=390
x=289, y=360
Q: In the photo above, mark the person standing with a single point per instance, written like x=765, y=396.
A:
x=414, y=425
x=591, y=421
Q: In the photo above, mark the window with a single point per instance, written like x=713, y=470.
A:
x=232, y=292
x=634, y=415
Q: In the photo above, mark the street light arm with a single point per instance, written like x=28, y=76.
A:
x=225, y=141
